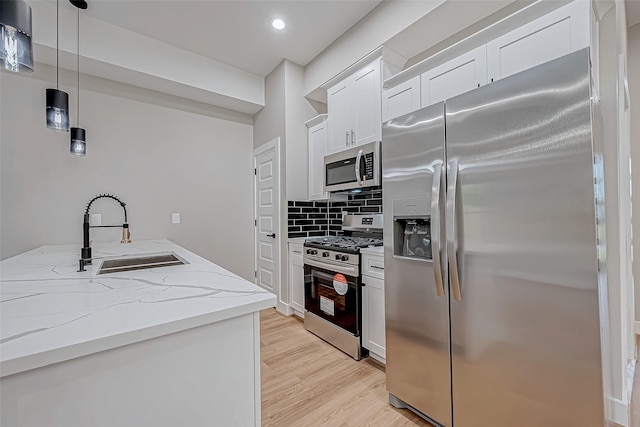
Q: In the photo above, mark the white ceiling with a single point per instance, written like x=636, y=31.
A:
x=238, y=32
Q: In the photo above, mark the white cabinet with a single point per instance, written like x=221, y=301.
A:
x=532, y=43
x=354, y=107
x=317, y=151
x=340, y=110
x=551, y=36
x=373, y=321
x=296, y=278
x=401, y=99
x=455, y=77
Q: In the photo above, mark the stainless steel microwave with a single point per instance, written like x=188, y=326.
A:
x=357, y=167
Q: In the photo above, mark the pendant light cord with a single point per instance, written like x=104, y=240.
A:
x=57, y=44
x=78, y=69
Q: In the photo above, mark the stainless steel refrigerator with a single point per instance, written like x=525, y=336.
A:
x=491, y=267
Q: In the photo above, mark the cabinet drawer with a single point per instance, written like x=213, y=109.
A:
x=295, y=249
x=373, y=265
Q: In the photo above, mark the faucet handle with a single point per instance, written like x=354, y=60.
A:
x=126, y=235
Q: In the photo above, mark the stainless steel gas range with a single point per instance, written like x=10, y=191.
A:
x=333, y=298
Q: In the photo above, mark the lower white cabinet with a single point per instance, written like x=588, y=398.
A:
x=296, y=279
x=373, y=323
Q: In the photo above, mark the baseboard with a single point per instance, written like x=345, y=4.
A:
x=377, y=358
x=284, y=308
x=619, y=412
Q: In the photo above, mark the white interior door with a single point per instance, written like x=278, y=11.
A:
x=267, y=220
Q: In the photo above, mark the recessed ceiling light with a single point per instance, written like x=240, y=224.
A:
x=278, y=24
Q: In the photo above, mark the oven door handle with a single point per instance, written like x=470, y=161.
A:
x=346, y=269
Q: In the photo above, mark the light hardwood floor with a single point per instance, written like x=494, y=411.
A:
x=307, y=382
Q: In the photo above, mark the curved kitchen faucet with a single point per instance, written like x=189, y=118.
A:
x=85, y=254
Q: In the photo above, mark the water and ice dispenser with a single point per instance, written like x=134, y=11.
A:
x=412, y=237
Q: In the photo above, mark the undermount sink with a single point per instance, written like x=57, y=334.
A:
x=140, y=262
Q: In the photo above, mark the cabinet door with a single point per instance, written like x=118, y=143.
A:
x=367, y=99
x=401, y=99
x=317, y=151
x=296, y=278
x=460, y=75
x=373, y=334
x=340, y=109
x=551, y=36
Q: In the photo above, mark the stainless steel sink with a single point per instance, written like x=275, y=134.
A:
x=140, y=262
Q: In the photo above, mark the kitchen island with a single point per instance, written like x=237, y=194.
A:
x=169, y=346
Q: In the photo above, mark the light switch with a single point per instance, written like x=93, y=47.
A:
x=175, y=218
x=95, y=219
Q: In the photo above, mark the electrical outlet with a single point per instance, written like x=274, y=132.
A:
x=95, y=219
x=175, y=218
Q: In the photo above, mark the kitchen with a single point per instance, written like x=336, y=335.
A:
x=142, y=136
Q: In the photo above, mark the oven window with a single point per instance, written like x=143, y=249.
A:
x=322, y=299
x=341, y=172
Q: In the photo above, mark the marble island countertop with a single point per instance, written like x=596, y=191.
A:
x=50, y=312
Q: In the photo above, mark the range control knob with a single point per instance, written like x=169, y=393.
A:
x=344, y=257
x=338, y=257
x=325, y=254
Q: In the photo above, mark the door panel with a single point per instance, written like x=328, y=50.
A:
x=367, y=108
x=455, y=77
x=267, y=259
x=401, y=99
x=417, y=319
x=525, y=335
x=340, y=106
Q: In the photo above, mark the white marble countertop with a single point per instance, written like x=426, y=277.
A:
x=49, y=312
x=374, y=250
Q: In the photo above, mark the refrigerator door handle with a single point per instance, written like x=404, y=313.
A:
x=452, y=229
x=436, y=228
x=358, y=158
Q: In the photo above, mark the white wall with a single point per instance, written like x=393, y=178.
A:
x=285, y=112
x=159, y=160
x=297, y=111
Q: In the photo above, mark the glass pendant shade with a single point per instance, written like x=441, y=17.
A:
x=78, y=142
x=57, y=110
x=16, y=53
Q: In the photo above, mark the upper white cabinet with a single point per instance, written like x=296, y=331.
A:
x=401, y=99
x=551, y=36
x=455, y=77
x=340, y=109
x=354, y=107
x=317, y=151
x=531, y=43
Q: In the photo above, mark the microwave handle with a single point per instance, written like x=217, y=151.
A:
x=358, y=158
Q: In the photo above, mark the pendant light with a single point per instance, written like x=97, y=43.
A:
x=78, y=135
x=16, y=52
x=57, y=112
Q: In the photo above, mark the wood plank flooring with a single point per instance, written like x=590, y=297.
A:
x=307, y=382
